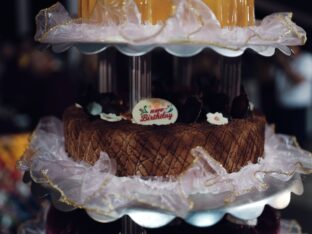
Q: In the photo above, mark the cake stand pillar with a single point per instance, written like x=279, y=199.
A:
x=182, y=71
x=140, y=70
x=130, y=227
x=140, y=79
x=231, y=73
x=107, y=71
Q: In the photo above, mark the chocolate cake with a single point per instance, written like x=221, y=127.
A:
x=162, y=150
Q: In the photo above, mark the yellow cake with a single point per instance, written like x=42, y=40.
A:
x=154, y=11
x=151, y=11
x=228, y=12
x=86, y=8
x=233, y=12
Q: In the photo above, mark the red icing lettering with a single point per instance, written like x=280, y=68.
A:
x=156, y=116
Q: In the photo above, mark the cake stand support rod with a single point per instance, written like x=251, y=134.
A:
x=140, y=79
x=182, y=71
x=140, y=70
x=107, y=71
x=130, y=227
x=231, y=73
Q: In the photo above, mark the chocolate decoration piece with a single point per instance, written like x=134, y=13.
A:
x=162, y=150
x=240, y=106
x=191, y=110
x=217, y=102
x=111, y=103
x=95, y=104
x=88, y=95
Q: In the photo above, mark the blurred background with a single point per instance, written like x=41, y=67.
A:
x=35, y=82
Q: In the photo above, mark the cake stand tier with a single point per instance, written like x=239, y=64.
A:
x=199, y=196
x=184, y=34
x=207, y=211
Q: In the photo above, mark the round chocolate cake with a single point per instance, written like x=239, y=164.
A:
x=162, y=150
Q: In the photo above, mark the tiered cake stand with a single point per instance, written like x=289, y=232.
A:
x=207, y=209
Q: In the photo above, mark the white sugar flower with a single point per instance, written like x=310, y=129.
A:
x=111, y=117
x=217, y=119
x=251, y=106
x=77, y=105
x=94, y=108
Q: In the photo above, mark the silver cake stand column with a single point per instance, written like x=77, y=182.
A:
x=182, y=71
x=140, y=71
x=140, y=74
x=107, y=71
x=130, y=227
x=230, y=75
x=140, y=79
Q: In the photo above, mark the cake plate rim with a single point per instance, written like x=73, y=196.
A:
x=178, y=49
x=278, y=196
x=206, y=218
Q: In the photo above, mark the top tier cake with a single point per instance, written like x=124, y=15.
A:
x=228, y=12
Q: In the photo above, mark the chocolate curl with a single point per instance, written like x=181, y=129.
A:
x=240, y=106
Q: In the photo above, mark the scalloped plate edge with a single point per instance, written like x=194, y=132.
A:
x=155, y=219
x=179, y=50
